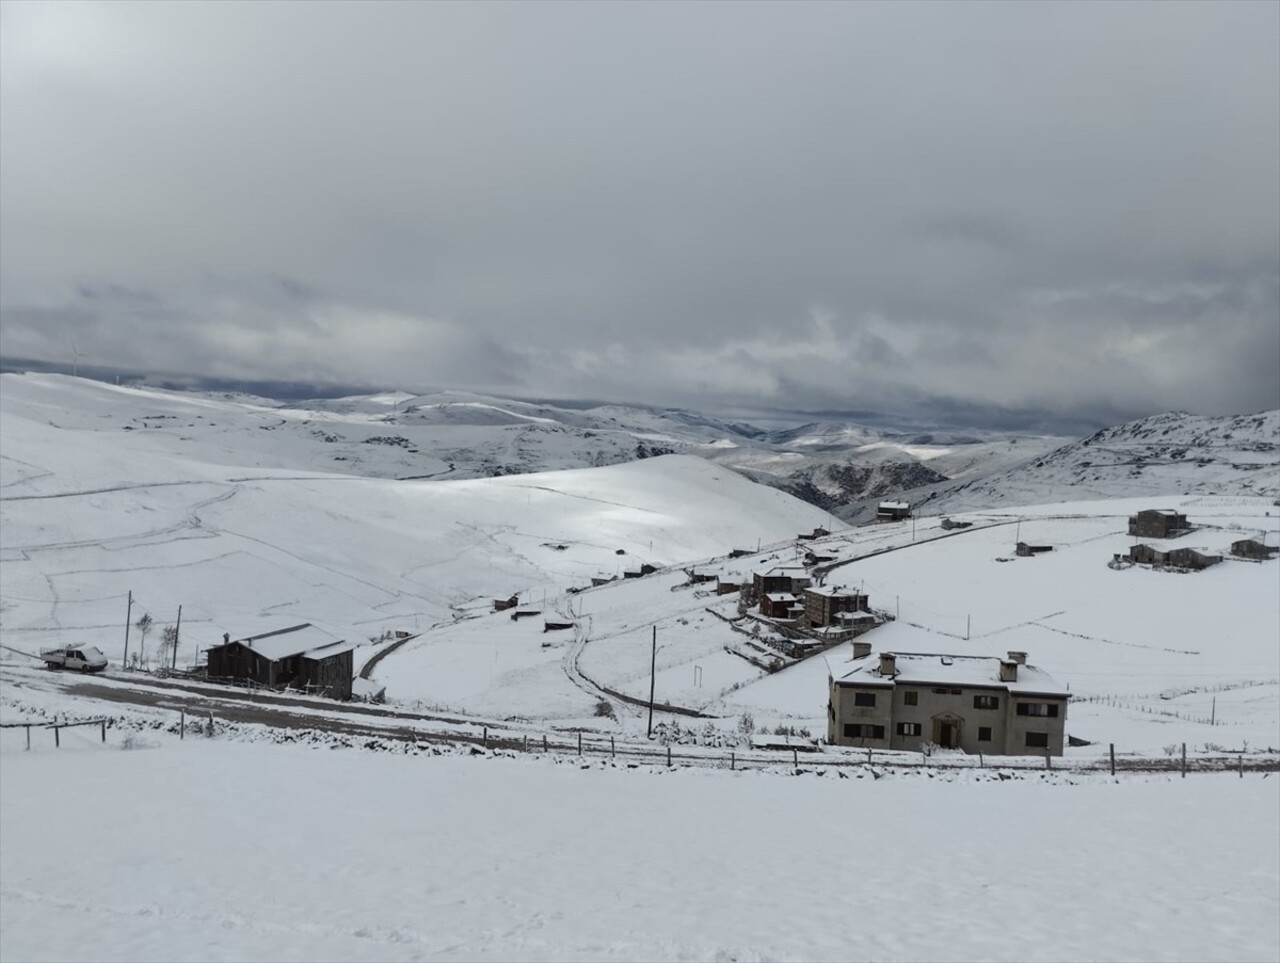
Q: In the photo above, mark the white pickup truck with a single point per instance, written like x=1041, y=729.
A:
x=86, y=658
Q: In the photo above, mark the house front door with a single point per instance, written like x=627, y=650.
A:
x=946, y=733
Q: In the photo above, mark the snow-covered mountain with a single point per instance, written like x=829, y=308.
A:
x=456, y=435
x=1175, y=452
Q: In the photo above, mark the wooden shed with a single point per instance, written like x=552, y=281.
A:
x=300, y=655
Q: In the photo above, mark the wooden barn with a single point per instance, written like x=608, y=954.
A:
x=1252, y=548
x=301, y=656
x=1026, y=550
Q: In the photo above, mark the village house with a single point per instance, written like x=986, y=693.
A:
x=1026, y=550
x=817, y=533
x=501, y=605
x=1158, y=523
x=780, y=605
x=300, y=656
x=976, y=704
x=823, y=603
x=781, y=578
x=892, y=511
x=1252, y=548
x=727, y=586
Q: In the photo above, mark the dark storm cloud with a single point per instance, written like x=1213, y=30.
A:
x=1061, y=207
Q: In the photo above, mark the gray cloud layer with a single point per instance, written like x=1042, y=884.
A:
x=1071, y=207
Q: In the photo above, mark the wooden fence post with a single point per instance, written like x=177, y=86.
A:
x=57, y=741
x=486, y=737
x=526, y=742
x=668, y=755
x=579, y=742
x=182, y=724
x=1241, y=763
x=1184, y=760
x=795, y=759
x=544, y=743
x=104, y=730
x=28, y=728
x=732, y=762
x=612, y=752
x=1113, y=758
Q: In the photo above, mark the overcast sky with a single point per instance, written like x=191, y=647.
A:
x=908, y=208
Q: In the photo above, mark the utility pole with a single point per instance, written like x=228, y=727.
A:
x=128, y=614
x=653, y=675
x=176, y=630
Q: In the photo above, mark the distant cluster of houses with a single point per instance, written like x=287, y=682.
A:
x=1163, y=523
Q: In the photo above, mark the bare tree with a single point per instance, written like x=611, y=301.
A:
x=168, y=640
x=143, y=625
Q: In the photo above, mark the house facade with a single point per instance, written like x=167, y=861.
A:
x=892, y=511
x=1158, y=523
x=976, y=704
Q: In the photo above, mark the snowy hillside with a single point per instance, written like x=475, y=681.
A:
x=457, y=435
x=1161, y=455
x=89, y=512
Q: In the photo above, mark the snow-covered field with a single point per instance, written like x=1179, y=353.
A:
x=204, y=850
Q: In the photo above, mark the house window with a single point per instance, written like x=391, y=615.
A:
x=984, y=733
x=941, y=691
x=1048, y=710
x=911, y=698
x=1037, y=740
x=864, y=698
x=986, y=702
x=908, y=728
x=855, y=730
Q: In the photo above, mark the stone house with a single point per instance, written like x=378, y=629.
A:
x=976, y=704
x=892, y=511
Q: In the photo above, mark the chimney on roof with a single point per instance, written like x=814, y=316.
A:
x=1018, y=657
x=861, y=650
x=1008, y=670
x=887, y=663
x=226, y=638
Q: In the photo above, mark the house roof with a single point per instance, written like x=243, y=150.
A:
x=898, y=505
x=926, y=668
x=284, y=643
x=327, y=651
x=831, y=591
x=789, y=571
x=778, y=597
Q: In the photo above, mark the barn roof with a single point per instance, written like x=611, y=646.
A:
x=284, y=643
x=327, y=651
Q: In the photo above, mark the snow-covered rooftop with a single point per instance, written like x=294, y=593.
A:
x=779, y=597
x=283, y=643
x=924, y=668
x=832, y=591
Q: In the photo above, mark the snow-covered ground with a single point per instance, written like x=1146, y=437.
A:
x=231, y=848
x=207, y=850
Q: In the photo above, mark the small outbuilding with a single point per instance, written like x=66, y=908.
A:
x=1254, y=549
x=299, y=656
x=1026, y=550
